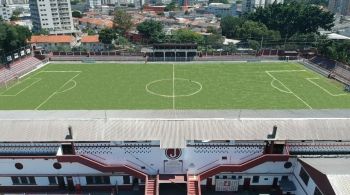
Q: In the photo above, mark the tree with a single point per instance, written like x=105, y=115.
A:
x=77, y=14
x=241, y=28
x=107, y=35
x=293, y=18
x=152, y=30
x=218, y=1
x=13, y=37
x=230, y=26
x=15, y=15
x=187, y=36
x=42, y=31
x=122, y=21
x=171, y=7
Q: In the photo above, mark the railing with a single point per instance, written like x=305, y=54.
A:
x=101, y=166
x=244, y=166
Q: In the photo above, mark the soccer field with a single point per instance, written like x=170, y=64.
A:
x=271, y=85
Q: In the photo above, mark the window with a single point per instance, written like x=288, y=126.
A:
x=256, y=179
x=240, y=177
x=304, y=176
x=98, y=180
x=233, y=177
x=24, y=180
x=317, y=191
x=126, y=179
x=52, y=180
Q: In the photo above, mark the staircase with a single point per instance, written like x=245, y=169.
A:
x=151, y=186
x=244, y=166
x=193, y=186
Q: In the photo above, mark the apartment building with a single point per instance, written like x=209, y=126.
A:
x=251, y=5
x=5, y=12
x=54, y=16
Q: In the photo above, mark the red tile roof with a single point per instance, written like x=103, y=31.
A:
x=51, y=39
x=90, y=39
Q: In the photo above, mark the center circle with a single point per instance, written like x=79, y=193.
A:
x=177, y=87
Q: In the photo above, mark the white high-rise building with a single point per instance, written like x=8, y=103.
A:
x=5, y=12
x=54, y=16
x=251, y=5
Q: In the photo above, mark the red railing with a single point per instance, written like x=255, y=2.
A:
x=244, y=166
x=101, y=166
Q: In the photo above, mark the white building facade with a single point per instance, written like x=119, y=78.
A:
x=251, y=5
x=137, y=150
x=54, y=16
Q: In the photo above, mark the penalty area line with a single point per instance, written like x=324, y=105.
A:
x=57, y=91
x=268, y=73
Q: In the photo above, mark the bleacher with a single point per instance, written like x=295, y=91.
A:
x=18, y=68
x=341, y=73
x=323, y=62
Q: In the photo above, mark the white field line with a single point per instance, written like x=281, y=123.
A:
x=61, y=71
x=36, y=80
x=268, y=72
x=173, y=86
x=57, y=91
x=331, y=94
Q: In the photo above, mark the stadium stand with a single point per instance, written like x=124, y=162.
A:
x=323, y=62
x=342, y=73
x=18, y=68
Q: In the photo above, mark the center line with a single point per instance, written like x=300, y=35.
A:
x=173, y=86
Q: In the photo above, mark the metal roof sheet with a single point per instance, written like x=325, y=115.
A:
x=173, y=128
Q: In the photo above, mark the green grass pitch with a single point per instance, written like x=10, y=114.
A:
x=274, y=85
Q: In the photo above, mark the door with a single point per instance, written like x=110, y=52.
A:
x=275, y=182
x=246, y=183
x=61, y=183
x=70, y=183
x=209, y=183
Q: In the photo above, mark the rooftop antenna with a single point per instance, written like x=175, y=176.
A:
x=274, y=132
x=70, y=133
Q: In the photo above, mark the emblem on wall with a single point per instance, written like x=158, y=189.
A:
x=173, y=153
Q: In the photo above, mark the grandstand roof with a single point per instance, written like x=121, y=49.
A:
x=174, y=128
x=336, y=171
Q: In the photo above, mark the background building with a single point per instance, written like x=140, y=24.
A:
x=5, y=12
x=251, y=5
x=54, y=16
x=220, y=9
x=345, y=7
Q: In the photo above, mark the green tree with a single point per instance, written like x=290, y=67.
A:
x=187, y=36
x=218, y=1
x=293, y=18
x=107, y=35
x=230, y=26
x=13, y=37
x=15, y=15
x=171, y=7
x=42, y=32
x=152, y=30
x=77, y=14
x=122, y=21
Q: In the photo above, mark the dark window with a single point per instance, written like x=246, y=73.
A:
x=224, y=177
x=31, y=180
x=98, y=180
x=19, y=166
x=233, y=176
x=24, y=180
x=126, y=179
x=317, y=191
x=57, y=165
x=304, y=176
x=256, y=179
x=224, y=158
x=52, y=180
x=240, y=177
x=288, y=165
x=15, y=180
